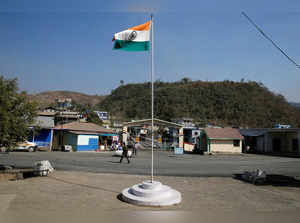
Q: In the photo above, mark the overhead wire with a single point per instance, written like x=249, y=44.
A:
x=268, y=38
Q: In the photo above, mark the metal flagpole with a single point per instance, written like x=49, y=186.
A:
x=151, y=193
x=152, y=90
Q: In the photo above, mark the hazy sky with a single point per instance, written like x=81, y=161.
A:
x=67, y=45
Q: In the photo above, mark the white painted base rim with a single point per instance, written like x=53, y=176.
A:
x=151, y=194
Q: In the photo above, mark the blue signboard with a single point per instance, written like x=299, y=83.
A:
x=102, y=115
x=42, y=138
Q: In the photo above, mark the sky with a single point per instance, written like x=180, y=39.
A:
x=67, y=45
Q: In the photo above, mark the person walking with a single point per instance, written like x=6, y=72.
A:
x=124, y=153
x=134, y=149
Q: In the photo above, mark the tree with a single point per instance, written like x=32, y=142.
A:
x=16, y=113
x=185, y=80
x=245, y=104
x=94, y=118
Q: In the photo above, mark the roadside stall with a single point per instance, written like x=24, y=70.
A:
x=107, y=141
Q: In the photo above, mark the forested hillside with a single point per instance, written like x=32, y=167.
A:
x=247, y=104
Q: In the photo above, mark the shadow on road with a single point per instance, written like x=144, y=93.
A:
x=113, y=161
x=275, y=180
x=84, y=185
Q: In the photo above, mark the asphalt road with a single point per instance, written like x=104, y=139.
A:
x=165, y=163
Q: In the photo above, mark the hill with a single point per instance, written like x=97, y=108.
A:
x=247, y=104
x=48, y=97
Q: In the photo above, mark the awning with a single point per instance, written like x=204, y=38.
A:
x=84, y=133
x=107, y=134
x=252, y=132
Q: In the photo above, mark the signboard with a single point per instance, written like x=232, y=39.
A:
x=178, y=151
x=102, y=115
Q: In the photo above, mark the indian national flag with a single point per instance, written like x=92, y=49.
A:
x=136, y=38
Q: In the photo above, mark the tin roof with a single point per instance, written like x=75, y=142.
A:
x=223, y=133
x=83, y=127
x=43, y=122
x=252, y=132
x=259, y=132
x=47, y=113
x=96, y=133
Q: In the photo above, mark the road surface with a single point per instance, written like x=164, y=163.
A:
x=165, y=163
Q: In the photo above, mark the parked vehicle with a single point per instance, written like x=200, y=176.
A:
x=66, y=148
x=27, y=146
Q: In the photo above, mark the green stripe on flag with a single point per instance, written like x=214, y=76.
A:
x=131, y=45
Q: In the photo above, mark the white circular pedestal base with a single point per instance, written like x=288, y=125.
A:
x=151, y=194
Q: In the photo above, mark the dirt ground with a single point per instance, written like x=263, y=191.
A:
x=77, y=196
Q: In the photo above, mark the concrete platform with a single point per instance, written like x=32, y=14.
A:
x=151, y=194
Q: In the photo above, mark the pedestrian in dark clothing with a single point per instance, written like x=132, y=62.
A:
x=124, y=153
x=134, y=149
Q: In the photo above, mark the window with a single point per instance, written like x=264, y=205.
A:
x=236, y=142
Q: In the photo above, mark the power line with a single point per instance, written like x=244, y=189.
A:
x=268, y=38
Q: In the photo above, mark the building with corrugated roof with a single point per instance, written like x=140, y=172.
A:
x=82, y=136
x=281, y=141
x=42, y=131
x=223, y=140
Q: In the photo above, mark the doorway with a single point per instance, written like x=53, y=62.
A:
x=276, y=145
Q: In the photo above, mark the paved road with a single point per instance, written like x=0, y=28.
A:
x=165, y=163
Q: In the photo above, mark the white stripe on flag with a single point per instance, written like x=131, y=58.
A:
x=140, y=36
